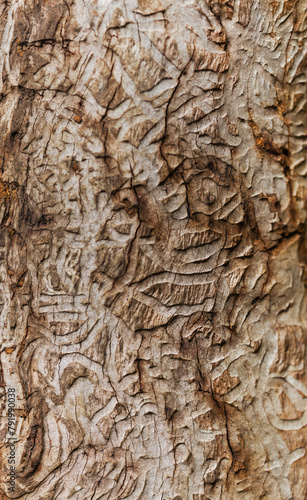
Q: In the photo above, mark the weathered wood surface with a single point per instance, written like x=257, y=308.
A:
x=153, y=242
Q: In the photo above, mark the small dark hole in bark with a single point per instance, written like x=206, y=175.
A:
x=285, y=152
x=211, y=165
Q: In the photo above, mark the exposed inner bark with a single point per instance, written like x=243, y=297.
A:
x=152, y=249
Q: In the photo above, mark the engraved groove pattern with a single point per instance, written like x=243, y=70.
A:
x=153, y=248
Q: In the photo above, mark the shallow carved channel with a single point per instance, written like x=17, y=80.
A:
x=153, y=249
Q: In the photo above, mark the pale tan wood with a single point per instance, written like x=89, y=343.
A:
x=153, y=249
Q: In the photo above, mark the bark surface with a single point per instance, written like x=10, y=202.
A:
x=153, y=198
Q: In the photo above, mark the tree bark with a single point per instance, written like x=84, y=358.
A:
x=152, y=249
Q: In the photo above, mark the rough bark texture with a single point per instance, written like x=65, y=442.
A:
x=153, y=242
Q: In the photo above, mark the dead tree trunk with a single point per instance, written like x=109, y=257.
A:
x=152, y=249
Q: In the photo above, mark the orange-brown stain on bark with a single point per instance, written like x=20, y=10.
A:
x=8, y=190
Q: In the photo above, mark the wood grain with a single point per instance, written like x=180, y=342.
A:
x=153, y=248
